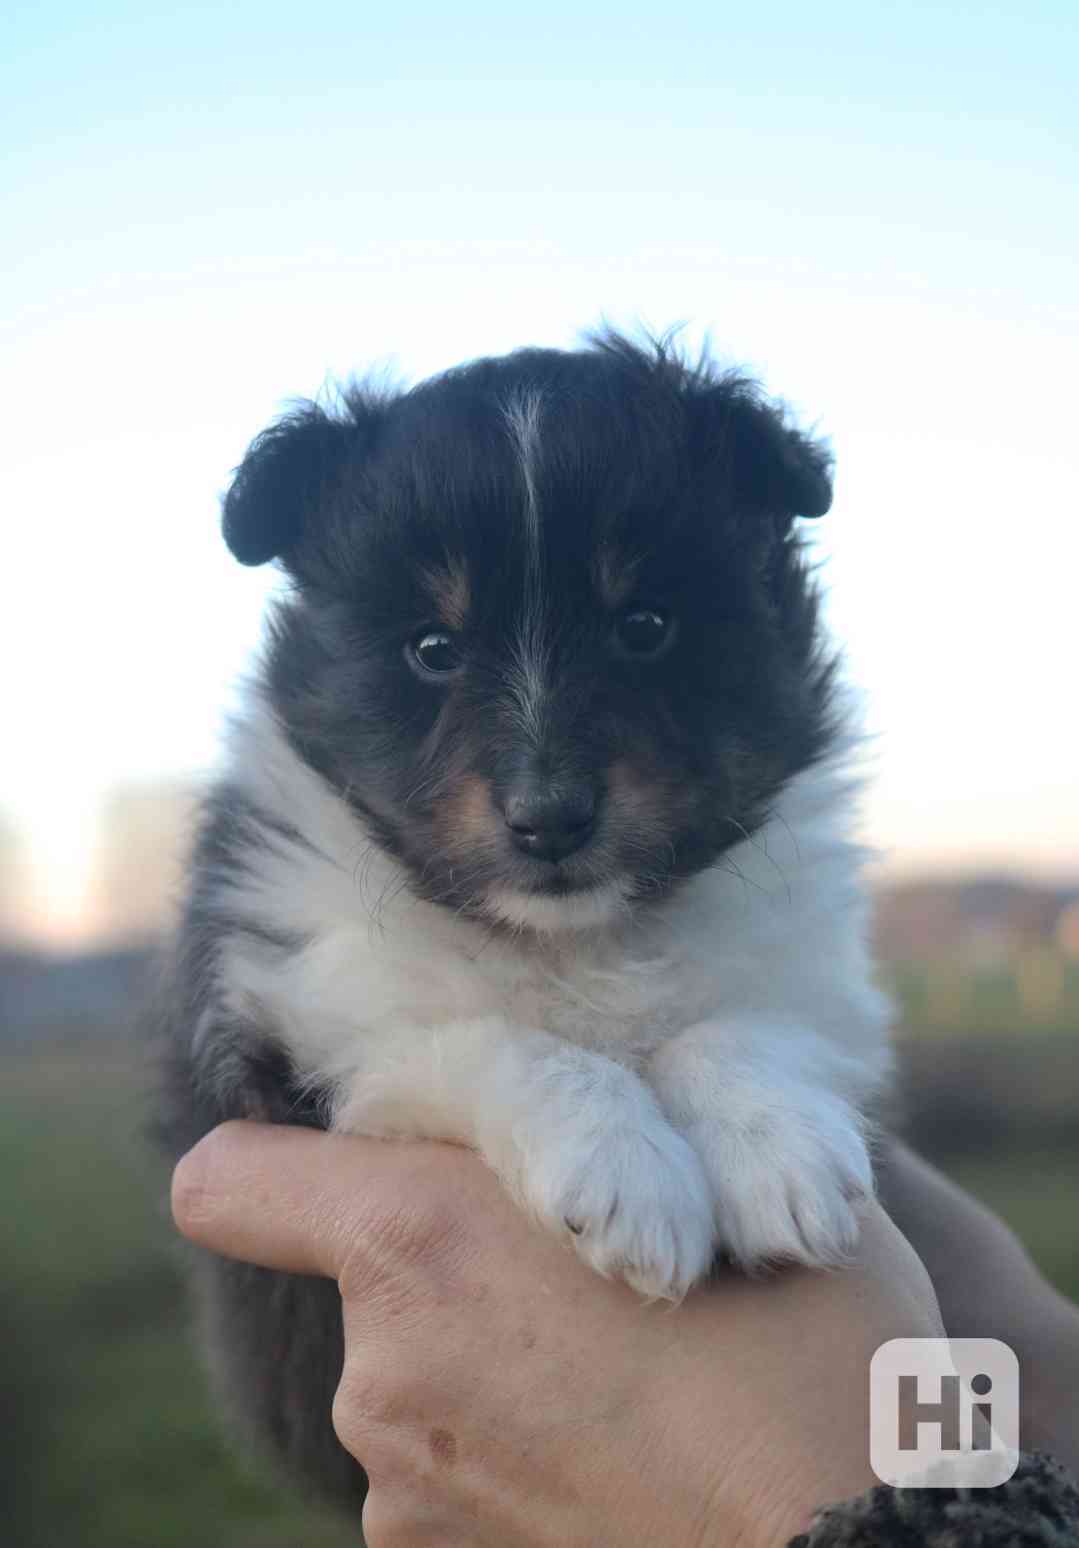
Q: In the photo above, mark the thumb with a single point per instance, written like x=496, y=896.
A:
x=304, y=1201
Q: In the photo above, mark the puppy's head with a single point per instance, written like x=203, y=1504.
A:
x=550, y=632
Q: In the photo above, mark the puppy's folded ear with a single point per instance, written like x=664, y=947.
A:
x=284, y=479
x=771, y=468
x=785, y=472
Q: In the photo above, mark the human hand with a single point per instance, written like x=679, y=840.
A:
x=501, y=1395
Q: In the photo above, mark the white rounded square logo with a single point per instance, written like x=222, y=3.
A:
x=944, y=1413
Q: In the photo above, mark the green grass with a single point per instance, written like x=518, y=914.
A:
x=117, y=1446
x=1037, y=991
x=110, y=1438
x=1036, y=1192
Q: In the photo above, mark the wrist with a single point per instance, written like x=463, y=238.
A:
x=784, y=1498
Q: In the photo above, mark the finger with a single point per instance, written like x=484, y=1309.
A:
x=296, y=1199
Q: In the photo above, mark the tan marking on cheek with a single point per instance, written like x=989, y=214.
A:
x=468, y=817
x=653, y=807
x=451, y=593
x=615, y=576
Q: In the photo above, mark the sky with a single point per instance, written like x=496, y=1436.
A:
x=213, y=209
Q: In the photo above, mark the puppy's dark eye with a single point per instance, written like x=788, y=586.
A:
x=644, y=631
x=435, y=653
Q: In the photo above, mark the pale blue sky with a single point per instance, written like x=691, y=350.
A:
x=211, y=209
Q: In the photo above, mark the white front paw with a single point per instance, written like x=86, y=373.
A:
x=789, y=1190
x=634, y=1198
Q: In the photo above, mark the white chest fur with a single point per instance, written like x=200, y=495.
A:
x=732, y=1032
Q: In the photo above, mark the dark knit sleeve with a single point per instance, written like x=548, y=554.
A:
x=1037, y=1508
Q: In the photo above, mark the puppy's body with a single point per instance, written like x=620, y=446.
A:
x=535, y=833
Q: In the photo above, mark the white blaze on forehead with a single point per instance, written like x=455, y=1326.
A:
x=523, y=420
x=527, y=678
x=529, y=673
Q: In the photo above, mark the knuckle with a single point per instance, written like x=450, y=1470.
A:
x=374, y=1407
x=358, y=1414
x=406, y=1255
x=404, y=1517
x=347, y=1427
x=384, y=1522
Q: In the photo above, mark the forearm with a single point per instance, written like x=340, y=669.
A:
x=988, y=1287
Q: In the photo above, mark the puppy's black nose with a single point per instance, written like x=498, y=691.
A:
x=550, y=824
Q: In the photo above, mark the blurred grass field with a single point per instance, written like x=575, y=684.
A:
x=115, y=1442
x=110, y=1437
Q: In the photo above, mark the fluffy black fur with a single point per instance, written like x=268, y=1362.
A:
x=275, y=1340
x=672, y=485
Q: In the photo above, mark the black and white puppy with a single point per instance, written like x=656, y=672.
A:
x=534, y=834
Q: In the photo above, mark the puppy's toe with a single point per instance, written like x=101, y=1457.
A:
x=637, y=1206
x=792, y=1198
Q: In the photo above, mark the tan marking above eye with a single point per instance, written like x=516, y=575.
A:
x=451, y=593
x=615, y=576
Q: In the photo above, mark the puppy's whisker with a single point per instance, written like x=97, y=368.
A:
x=424, y=786
x=762, y=849
x=777, y=815
x=733, y=869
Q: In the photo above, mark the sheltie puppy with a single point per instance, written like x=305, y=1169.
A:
x=535, y=833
